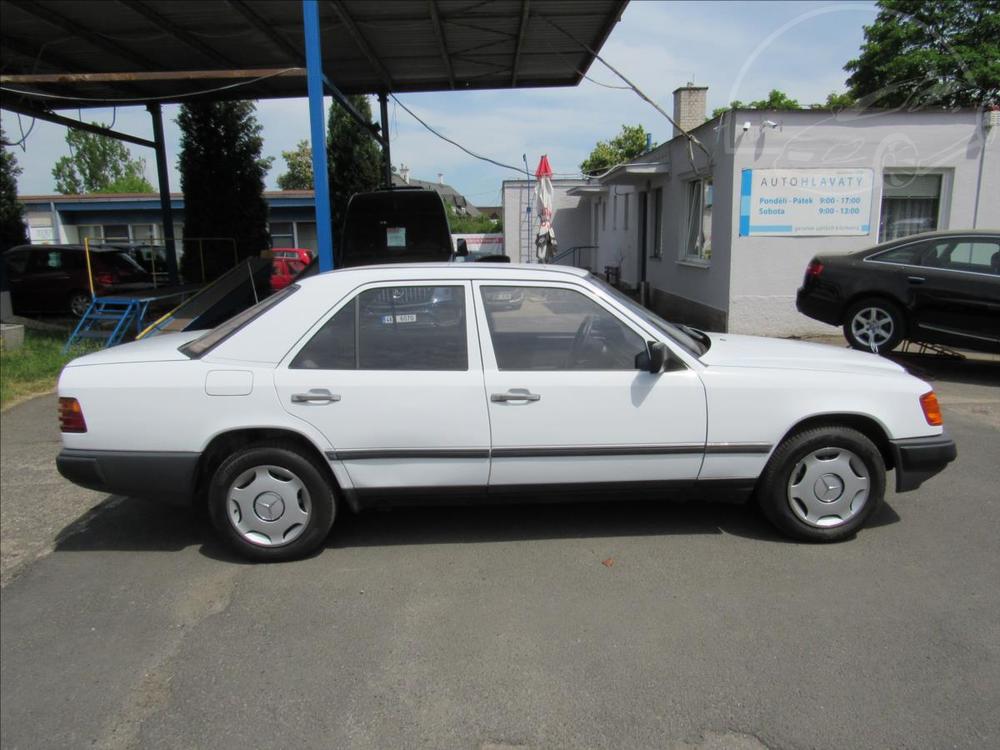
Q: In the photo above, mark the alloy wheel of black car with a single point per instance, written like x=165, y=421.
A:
x=874, y=325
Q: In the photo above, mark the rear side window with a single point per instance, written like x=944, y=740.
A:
x=208, y=341
x=393, y=328
x=907, y=255
x=16, y=260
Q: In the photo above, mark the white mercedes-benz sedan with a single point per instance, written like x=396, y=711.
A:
x=484, y=383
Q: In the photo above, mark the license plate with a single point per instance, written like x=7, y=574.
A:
x=387, y=319
x=502, y=297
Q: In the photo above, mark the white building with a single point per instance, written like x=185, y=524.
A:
x=721, y=239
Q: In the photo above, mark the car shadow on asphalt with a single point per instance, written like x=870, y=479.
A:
x=134, y=524
x=972, y=371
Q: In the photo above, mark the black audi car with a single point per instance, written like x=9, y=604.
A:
x=936, y=288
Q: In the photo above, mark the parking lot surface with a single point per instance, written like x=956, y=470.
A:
x=615, y=624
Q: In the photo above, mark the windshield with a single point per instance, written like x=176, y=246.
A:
x=211, y=339
x=679, y=334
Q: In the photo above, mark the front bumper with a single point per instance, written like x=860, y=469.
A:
x=918, y=459
x=159, y=476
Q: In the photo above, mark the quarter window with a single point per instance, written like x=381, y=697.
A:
x=393, y=328
x=539, y=328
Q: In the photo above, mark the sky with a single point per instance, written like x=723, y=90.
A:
x=740, y=50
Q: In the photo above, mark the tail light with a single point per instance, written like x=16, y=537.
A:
x=932, y=410
x=814, y=269
x=71, y=416
x=104, y=278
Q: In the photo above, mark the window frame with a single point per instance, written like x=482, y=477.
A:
x=698, y=186
x=474, y=360
x=945, y=187
x=656, y=233
x=875, y=257
x=490, y=362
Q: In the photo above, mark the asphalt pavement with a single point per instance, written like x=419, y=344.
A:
x=615, y=624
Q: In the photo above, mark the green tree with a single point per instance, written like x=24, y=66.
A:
x=929, y=52
x=628, y=144
x=836, y=101
x=12, y=231
x=299, y=168
x=99, y=164
x=222, y=177
x=775, y=100
x=353, y=159
x=463, y=224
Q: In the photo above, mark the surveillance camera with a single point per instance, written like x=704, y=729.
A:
x=746, y=126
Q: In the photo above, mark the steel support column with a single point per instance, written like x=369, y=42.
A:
x=163, y=181
x=317, y=132
x=383, y=105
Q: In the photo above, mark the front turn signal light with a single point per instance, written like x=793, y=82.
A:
x=71, y=416
x=932, y=410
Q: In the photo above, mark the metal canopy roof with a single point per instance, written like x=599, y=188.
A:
x=368, y=46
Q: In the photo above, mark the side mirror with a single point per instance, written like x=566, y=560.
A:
x=461, y=247
x=654, y=358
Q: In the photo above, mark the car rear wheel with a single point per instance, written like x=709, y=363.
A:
x=271, y=503
x=874, y=325
x=823, y=484
x=79, y=303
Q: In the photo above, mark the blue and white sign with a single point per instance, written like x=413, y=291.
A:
x=805, y=202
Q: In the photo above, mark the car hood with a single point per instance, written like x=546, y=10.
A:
x=161, y=348
x=731, y=350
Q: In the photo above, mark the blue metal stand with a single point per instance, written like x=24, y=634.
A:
x=108, y=318
x=317, y=132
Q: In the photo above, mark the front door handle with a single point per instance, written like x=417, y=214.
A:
x=315, y=396
x=916, y=279
x=514, y=394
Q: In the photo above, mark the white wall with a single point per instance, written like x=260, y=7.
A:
x=570, y=222
x=767, y=271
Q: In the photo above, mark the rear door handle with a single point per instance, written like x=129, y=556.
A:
x=315, y=396
x=916, y=279
x=514, y=394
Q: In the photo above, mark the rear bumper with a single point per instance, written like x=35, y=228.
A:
x=918, y=459
x=159, y=476
x=818, y=306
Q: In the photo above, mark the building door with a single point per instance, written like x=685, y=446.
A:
x=643, y=233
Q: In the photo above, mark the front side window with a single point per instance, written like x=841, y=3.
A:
x=698, y=243
x=541, y=328
x=393, y=328
x=910, y=204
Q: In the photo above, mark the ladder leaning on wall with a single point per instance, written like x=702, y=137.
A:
x=526, y=230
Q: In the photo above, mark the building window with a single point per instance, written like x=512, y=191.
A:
x=282, y=234
x=698, y=237
x=910, y=204
x=604, y=216
x=658, y=223
x=305, y=235
x=116, y=233
x=625, y=215
x=144, y=232
x=597, y=210
x=614, y=212
x=89, y=231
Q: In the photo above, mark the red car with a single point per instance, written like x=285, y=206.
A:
x=286, y=264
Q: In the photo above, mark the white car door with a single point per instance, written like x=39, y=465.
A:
x=394, y=379
x=567, y=403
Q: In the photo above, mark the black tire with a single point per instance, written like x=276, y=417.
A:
x=874, y=325
x=78, y=302
x=273, y=462
x=836, y=457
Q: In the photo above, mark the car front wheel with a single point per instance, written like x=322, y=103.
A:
x=271, y=503
x=822, y=484
x=874, y=325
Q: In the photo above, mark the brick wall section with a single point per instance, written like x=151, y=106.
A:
x=690, y=103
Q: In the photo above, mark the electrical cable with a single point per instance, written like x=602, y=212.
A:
x=456, y=144
x=142, y=99
x=639, y=92
x=24, y=136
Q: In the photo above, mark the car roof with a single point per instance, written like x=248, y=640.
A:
x=401, y=271
x=102, y=248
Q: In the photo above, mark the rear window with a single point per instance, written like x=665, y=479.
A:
x=394, y=227
x=211, y=339
x=117, y=261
